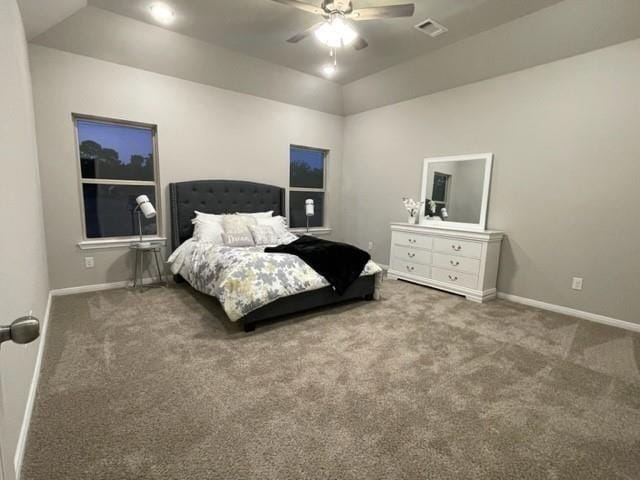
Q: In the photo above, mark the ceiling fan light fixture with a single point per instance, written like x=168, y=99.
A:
x=336, y=33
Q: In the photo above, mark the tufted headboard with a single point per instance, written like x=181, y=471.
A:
x=218, y=197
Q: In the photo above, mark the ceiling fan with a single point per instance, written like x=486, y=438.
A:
x=335, y=31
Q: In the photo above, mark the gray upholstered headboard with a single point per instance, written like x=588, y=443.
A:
x=218, y=197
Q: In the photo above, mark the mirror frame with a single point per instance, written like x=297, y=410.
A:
x=481, y=225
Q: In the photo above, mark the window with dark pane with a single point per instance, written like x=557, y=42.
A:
x=440, y=181
x=109, y=210
x=297, y=209
x=117, y=164
x=307, y=171
x=306, y=168
x=115, y=152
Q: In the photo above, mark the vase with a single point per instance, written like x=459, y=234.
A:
x=412, y=219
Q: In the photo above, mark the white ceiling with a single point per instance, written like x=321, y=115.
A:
x=259, y=28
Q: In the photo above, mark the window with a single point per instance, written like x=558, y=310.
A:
x=117, y=163
x=307, y=172
x=440, y=194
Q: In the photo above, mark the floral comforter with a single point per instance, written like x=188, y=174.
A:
x=244, y=279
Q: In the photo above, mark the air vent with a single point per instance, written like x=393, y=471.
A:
x=431, y=28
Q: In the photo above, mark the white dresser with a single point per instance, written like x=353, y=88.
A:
x=459, y=261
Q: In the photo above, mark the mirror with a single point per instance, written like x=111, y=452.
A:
x=456, y=191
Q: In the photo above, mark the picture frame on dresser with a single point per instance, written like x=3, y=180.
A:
x=461, y=183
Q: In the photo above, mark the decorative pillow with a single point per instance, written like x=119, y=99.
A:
x=264, y=235
x=238, y=239
x=278, y=224
x=207, y=232
x=287, y=238
x=257, y=214
x=238, y=224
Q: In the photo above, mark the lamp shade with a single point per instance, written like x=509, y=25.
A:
x=309, y=210
x=145, y=206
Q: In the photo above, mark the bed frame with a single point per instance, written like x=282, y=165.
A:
x=231, y=196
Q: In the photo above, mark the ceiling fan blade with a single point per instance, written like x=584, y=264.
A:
x=302, y=6
x=360, y=43
x=302, y=35
x=390, y=11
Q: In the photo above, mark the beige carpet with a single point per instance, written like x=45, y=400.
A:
x=423, y=384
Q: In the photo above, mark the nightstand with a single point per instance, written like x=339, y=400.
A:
x=152, y=251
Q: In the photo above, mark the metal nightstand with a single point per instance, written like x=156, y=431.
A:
x=141, y=249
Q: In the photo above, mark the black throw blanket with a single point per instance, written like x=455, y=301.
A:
x=340, y=264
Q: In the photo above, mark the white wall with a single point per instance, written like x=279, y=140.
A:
x=565, y=178
x=203, y=133
x=23, y=276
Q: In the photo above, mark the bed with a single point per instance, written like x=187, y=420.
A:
x=231, y=196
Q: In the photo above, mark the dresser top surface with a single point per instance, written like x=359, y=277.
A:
x=403, y=226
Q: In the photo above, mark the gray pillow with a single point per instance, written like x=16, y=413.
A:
x=238, y=239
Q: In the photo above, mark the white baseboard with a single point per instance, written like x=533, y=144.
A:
x=26, y=420
x=98, y=287
x=593, y=317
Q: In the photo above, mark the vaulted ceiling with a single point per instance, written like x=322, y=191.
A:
x=260, y=28
x=240, y=45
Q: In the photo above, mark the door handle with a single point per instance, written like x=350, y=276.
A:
x=22, y=330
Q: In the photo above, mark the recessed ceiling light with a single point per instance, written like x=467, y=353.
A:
x=329, y=70
x=162, y=13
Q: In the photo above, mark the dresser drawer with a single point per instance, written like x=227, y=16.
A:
x=411, y=255
x=458, y=247
x=454, y=278
x=410, y=268
x=456, y=262
x=405, y=239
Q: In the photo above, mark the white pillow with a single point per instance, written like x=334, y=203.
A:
x=210, y=232
x=207, y=217
x=264, y=235
x=257, y=214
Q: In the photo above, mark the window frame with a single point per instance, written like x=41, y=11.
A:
x=93, y=242
x=325, y=151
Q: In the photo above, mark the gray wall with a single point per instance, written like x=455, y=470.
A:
x=565, y=177
x=100, y=34
x=203, y=132
x=568, y=28
x=24, y=282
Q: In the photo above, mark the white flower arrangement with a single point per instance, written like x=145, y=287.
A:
x=412, y=206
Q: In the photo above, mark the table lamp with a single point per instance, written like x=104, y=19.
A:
x=144, y=207
x=309, y=210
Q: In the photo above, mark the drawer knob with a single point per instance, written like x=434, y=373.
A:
x=453, y=279
x=456, y=248
x=411, y=255
x=455, y=263
x=410, y=268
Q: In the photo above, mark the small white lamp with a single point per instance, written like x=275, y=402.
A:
x=144, y=207
x=309, y=210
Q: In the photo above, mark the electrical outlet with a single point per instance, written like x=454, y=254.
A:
x=576, y=283
x=370, y=246
x=88, y=262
